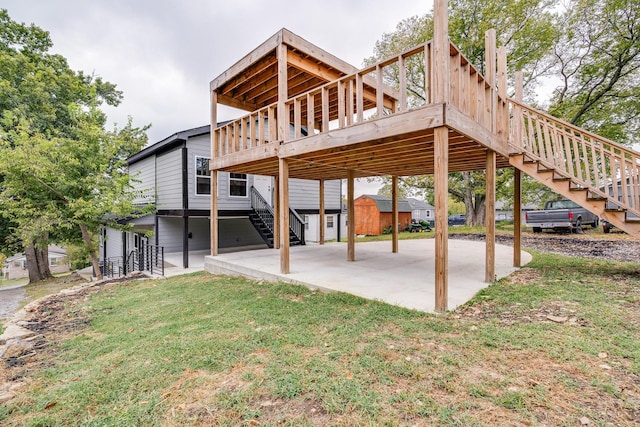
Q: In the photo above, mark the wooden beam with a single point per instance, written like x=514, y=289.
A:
x=490, y=217
x=257, y=154
x=503, y=108
x=490, y=75
x=284, y=216
x=371, y=130
x=441, y=187
x=351, y=218
x=517, y=174
x=268, y=46
x=213, y=215
x=394, y=210
x=283, y=94
x=321, y=209
x=517, y=217
x=517, y=110
x=440, y=63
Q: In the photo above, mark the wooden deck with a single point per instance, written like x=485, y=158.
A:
x=311, y=115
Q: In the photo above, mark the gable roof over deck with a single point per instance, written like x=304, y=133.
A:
x=252, y=82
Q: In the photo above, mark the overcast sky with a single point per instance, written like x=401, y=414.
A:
x=162, y=54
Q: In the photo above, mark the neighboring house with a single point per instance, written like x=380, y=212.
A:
x=15, y=267
x=174, y=175
x=420, y=211
x=373, y=213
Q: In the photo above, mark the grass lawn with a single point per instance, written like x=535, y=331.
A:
x=558, y=343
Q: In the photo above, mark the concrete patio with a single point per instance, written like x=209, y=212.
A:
x=404, y=279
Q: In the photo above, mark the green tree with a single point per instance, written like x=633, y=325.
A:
x=61, y=172
x=526, y=28
x=598, y=62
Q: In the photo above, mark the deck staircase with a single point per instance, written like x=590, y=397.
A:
x=598, y=174
x=262, y=216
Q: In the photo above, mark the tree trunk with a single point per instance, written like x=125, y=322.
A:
x=88, y=241
x=37, y=263
x=473, y=202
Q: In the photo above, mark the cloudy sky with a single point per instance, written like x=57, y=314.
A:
x=162, y=54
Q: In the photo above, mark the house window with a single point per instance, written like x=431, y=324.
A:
x=53, y=261
x=330, y=221
x=306, y=222
x=24, y=264
x=203, y=178
x=237, y=185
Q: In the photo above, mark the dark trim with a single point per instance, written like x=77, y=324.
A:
x=339, y=227
x=317, y=211
x=104, y=243
x=124, y=245
x=200, y=213
x=156, y=234
x=185, y=206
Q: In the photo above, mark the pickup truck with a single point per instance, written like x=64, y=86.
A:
x=561, y=216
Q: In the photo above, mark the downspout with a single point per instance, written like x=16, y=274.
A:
x=185, y=207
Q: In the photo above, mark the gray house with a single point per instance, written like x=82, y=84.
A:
x=421, y=211
x=173, y=174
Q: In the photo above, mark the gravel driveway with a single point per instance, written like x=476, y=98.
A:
x=622, y=249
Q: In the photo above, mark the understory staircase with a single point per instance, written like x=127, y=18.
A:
x=262, y=216
x=598, y=174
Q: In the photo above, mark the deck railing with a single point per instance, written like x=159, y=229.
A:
x=604, y=167
x=392, y=86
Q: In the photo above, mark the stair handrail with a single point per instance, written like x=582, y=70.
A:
x=266, y=214
x=296, y=225
x=262, y=208
x=605, y=167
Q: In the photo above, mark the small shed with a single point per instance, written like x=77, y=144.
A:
x=373, y=213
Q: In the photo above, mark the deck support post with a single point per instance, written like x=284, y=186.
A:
x=517, y=217
x=321, y=210
x=351, y=217
x=276, y=213
x=283, y=218
x=214, y=213
x=441, y=186
x=490, y=76
x=517, y=176
x=440, y=63
x=394, y=210
x=283, y=93
x=440, y=90
x=490, y=217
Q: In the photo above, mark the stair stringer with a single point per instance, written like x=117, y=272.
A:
x=586, y=197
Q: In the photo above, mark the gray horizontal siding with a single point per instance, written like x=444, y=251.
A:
x=305, y=194
x=226, y=202
x=143, y=175
x=169, y=180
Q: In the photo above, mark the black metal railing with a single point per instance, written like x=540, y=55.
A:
x=145, y=258
x=264, y=210
x=296, y=225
